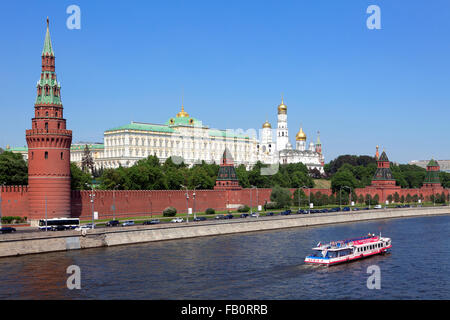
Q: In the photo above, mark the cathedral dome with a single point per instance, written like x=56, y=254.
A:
x=282, y=108
x=301, y=136
x=267, y=125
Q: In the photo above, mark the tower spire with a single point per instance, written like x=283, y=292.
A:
x=48, y=49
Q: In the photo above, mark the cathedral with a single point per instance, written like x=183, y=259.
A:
x=283, y=152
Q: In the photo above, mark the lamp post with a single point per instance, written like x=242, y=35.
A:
x=187, y=202
x=1, y=188
x=114, y=201
x=92, y=196
x=193, y=198
x=309, y=197
x=251, y=203
x=340, y=195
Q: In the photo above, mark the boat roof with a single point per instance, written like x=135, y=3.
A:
x=348, y=243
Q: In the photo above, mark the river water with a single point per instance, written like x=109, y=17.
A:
x=261, y=265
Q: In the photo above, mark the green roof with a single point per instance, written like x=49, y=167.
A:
x=98, y=146
x=433, y=163
x=225, y=133
x=143, y=127
x=48, y=43
x=183, y=121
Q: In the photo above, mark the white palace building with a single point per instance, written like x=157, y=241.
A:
x=184, y=138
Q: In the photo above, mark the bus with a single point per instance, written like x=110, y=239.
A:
x=59, y=223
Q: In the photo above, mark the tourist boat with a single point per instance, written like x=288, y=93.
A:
x=348, y=250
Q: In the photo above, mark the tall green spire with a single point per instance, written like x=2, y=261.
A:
x=48, y=49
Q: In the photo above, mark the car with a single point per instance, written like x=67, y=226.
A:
x=244, y=215
x=199, y=218
x=128, y=223
x=177, y=220
x=269, y=214
x=90, y=225
x=220, y=217
x=59, y=228
x=255, y=215
x=113, y=223
x=355, y=209
x=228, y=216
x=346, y=209
x=84, y=227
x=285, y=213
x=154, y=221
x=378, y=206
x=7, y=230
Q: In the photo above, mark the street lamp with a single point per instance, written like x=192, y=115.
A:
x=309, y=197
x=251, y=203
x=92, y=196
x=114, y=201
x=193, y=197
x=187, y=202
x=1, y=188
x=340, y=195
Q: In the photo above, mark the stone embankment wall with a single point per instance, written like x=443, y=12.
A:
x=40, y=242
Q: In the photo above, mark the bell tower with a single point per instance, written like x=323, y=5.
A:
x=48, y=145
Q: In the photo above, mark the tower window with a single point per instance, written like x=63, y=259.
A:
x=46, y=114
x=62, y=156
x=46, y=126
x=46, y=155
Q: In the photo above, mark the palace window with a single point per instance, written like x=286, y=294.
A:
x=46, y=155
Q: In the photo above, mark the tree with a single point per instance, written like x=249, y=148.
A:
x=300, y=198
x=79, y=180
x=376, y=199
x=408, y=198
x=281, y=196
x=396, y=197
x=360, y=198
x=87, y=163
x=390, y=198
x=342, y=178
x=13, y=169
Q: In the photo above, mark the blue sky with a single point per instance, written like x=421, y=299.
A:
x=131, y=60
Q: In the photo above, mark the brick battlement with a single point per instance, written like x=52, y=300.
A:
x=14, y=189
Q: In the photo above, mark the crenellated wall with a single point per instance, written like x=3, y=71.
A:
x=14, y=201
x=129, y=203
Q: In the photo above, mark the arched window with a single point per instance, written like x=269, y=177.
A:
x=62, y=156
x=46, y=114
x=46, y=155
x=46, y=126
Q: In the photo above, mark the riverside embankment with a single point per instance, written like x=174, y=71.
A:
x=40, y=242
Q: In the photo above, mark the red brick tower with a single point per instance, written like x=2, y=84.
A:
x=48, y=145
x=227, y=178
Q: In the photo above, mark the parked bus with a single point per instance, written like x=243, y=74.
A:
x=59, y=223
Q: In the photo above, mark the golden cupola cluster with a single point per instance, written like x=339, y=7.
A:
x=301, y=136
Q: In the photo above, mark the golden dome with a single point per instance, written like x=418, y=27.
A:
x=301, y=136
x=282, y=108
x=182, y=113
x=266, y=125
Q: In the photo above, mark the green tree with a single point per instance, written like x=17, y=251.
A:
x=13, y=169
x=79, y=180
x=281, y=196
x=342, y=178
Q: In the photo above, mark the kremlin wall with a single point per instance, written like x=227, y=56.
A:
x=48, y=189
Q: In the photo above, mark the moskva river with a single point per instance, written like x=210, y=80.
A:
x=262, y=265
